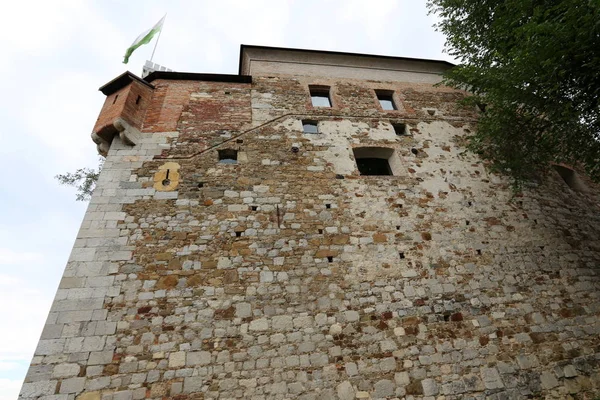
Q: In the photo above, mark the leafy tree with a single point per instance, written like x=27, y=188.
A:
x=84, y=179
x=535, y=64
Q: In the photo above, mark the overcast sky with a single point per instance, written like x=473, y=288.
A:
x=55, y=56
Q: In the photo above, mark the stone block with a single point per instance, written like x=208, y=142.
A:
x=402, y=378
x=66, y=370
x=177, y=359
x=123, y=395
x=384, y=388
x=100, y=357
x=72, y=385
x=351, y=316
x=351, y=369
x=430, y=387
x=50, y=346
x=570, y=371
x=243, y=310
x=97, y=383
x=527, y=361
x=89, y=396
x=37, y=389
x=52, y=331
x=261, y=324
x=345, y=391
x=387, y=364
x=548, y=380
x=282, y=323
x=192, y=384
x=65, y=317
x=198, y=358
x=491, y=378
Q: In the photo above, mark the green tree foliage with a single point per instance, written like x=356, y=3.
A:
x=83, y=179
x=536, y=65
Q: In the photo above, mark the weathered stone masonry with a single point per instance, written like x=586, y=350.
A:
x=290, y=275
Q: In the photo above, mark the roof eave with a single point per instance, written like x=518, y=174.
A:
x=243, y=48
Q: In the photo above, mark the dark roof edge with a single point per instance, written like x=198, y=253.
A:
x=341, y=53
x=192, y=76
x=127, y=77
x=120, y=82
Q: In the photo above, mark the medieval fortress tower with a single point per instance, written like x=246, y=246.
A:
x=314, y=228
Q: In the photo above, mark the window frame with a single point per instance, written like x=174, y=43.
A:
x=386, y=95
x=310, y=122
x=320, y=92
x=377, y=152
x=400, y=132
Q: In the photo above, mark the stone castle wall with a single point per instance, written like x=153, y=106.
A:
x=289, y=275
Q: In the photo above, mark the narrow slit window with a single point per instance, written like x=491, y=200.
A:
x=228, y=156
x=386, y=99
x=309, y=126
x=319, y=96
x=137, y=101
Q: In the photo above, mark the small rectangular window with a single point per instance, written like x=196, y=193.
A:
x=400, y=129
x=373, y=166
x=319, y=96
x=309, y=126
x=373, y=160
x=386, y=99
x=228, y=156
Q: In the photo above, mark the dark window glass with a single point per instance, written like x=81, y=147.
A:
x=400, y=129
x=310, y=127
x=373, y=166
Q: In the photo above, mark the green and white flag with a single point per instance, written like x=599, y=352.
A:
x=144, y=38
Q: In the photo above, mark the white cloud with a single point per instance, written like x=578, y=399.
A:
x=23, y=308
x=20, y=304
x=8, y=365
x=10, y=257
x=60, y=115
x=9, y=389
x=35, y=30
x=375, y=16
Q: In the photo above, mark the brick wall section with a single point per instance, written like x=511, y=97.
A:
x=214, y=112
x=123, y=104
x=167, y=103
x=135, y=109
x=174, y=100
x=289, y=275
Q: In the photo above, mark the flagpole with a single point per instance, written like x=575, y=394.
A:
x=157, y=39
